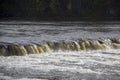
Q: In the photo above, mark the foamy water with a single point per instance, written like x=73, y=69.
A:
x=67, y=65
x=89, y=65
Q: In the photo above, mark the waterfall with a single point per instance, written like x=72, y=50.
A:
x=20, y=50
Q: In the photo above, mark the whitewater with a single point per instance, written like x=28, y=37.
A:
x=60, y=65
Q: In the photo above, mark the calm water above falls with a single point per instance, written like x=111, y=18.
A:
x=84, y=65
x=37, y=32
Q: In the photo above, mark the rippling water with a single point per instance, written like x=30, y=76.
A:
x=83, y=65
x=39, y=32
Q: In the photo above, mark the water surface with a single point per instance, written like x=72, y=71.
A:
x=82, y=65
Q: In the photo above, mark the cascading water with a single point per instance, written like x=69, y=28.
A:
x=59, y=51
x=12, y=49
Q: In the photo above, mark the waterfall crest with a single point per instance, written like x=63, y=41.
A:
x=7, y=49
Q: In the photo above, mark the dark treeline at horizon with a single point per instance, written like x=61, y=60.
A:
x=60, y=9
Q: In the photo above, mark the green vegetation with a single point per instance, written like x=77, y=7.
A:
x=60, y=9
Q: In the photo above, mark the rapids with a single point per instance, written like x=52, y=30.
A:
x=59, y=50
x=88, y=65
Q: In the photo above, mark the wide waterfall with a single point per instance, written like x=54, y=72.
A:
x=59, y=50
x=7, y=49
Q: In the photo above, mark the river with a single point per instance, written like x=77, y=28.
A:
x=60, y=65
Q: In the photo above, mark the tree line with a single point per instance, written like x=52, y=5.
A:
x=61, y=9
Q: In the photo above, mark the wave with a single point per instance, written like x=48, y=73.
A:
x=9, y=49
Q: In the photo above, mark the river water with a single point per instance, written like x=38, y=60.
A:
x=68, y=65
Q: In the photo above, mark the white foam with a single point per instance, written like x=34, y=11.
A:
x=59, y=63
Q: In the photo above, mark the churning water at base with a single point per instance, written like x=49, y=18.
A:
x=90, y=65
x=60, y=65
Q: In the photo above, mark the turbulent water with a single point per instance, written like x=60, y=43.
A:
x=67, y=65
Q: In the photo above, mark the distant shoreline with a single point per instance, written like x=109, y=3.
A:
x=57, y=19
